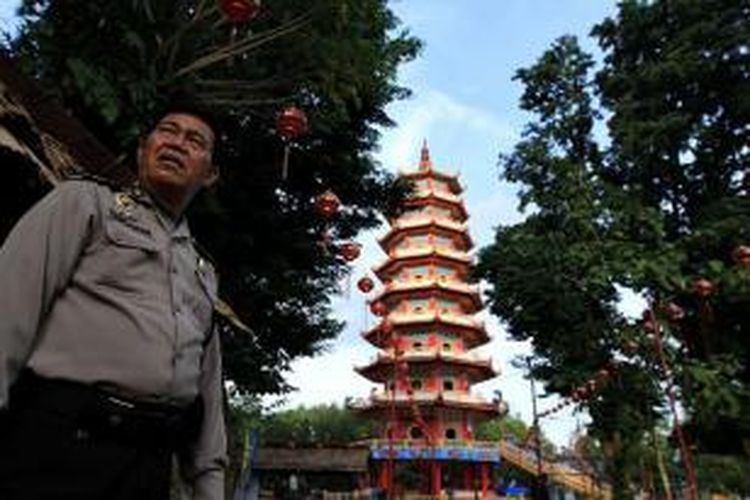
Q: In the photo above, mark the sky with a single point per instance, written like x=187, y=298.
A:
x=465, y=104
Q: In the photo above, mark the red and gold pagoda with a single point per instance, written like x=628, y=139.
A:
x=427, y=335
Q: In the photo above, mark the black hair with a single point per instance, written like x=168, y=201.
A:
x=185, y=101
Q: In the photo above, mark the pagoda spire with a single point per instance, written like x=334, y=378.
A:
x=424, y=158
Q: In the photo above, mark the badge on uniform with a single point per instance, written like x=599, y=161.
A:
x=124, y=206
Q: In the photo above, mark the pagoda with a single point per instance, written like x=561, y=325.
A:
x=427, y=333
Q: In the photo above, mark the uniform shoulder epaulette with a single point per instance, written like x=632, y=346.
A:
x=98, y=179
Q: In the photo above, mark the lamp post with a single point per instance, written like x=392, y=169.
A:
x=540, y=492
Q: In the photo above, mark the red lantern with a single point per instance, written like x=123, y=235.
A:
x=239, y=11
x=291, y=122
x=703, y=287
x=365, y=285
x=741, y=255
x=378, y=308
x=674, y=312
x=327, y=204
x=350, y=251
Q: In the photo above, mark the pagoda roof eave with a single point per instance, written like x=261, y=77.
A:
x=426, y=253
x=451, y=179
x=425, y=223
x=481, y=369
x=471, y=292
x=440, y=399
x=429, y=197
x=480, y=336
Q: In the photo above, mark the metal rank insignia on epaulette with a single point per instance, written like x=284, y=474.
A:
x=124, y=206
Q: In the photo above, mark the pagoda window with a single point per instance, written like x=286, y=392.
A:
x=416, y=384
x=446, y=306
x=416, y=433
x=450, y=433
x=419, y=306
x=417, y=346
x=445, y=212
x=448, y=384
x=419, y=272
x=443, y=242
x=439, y=186
x=444, y=274
x=447, y=346
x=419, y=240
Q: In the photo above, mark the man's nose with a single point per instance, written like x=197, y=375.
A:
x=178, y=141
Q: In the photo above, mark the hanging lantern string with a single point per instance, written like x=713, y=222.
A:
x=244, y=44
x=687, y=459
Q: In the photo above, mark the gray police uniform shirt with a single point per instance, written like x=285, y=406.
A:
x=100, y=286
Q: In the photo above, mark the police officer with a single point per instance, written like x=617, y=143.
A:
x=108, y=368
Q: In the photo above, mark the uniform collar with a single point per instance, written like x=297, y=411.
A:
x=178, y=227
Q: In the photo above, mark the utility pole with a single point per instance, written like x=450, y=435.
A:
x=540, y=492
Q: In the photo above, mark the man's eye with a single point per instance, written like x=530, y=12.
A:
x=198, y=143
x=168, y=129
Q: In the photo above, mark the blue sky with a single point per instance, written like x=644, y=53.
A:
x=466, y=105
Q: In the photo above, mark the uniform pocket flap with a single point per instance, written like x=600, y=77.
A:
x=131, y=235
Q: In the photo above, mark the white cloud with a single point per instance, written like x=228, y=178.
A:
x=435, y=113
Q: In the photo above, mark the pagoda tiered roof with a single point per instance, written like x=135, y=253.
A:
x=382, y=401
x=425, y=170
x=470, y=329
x=381, y=368
x=432, y=286
x=426, y=224
x=399, y=257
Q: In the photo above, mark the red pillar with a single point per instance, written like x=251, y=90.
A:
x=384, y=476
x=484, y=471
x=437, y=475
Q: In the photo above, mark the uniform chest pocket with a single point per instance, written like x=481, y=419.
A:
x=130, y=234
x=128, y=258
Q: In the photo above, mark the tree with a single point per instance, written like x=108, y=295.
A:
x=111, y=62
x=676, y=79
x=551, y=272
x=320, y=425
x=663, y=210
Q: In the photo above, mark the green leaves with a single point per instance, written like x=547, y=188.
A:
x=95, y=88
x=661, y=211
x=112, y=64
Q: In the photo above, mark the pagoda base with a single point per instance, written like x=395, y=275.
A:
x=383, y=450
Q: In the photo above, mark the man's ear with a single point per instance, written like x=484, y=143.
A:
x=212, y=177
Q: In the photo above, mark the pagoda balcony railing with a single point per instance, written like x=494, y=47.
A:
x=443, y=195
x=427, y=250
x=435, y=315
x=414, y=284
x=417, y=220
x=422, y=443
x=428, y=353
x=424, y=396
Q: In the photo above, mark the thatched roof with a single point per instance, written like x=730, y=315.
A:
x=313, y=459
x=36, y=128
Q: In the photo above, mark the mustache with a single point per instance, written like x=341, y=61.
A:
x=173, y=154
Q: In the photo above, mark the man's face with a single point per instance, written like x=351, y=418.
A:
x=174, y=162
